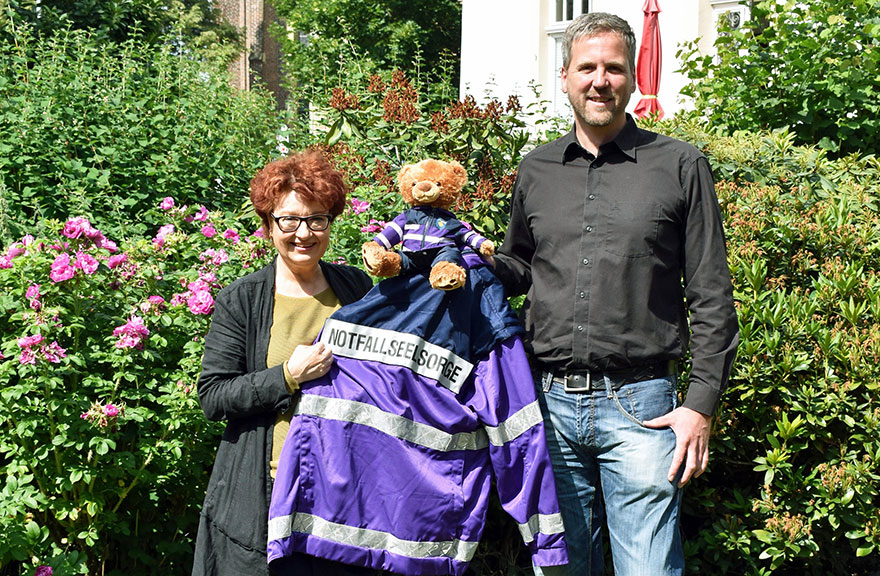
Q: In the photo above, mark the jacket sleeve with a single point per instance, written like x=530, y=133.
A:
x=471, y=238
x=392, y=234
x=507, y=404
x=227, y=388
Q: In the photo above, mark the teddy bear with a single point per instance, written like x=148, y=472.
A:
x=429, y=233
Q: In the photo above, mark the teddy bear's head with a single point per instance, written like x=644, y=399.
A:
x=431, y=183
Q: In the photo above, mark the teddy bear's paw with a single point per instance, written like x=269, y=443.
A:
x=380, y=262
x=487, y=248
x=447, y=276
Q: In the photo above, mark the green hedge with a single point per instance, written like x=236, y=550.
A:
x=106, y=131
x=792, y=486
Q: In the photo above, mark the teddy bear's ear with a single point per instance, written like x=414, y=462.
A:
x=458, y=173
x=403, y=175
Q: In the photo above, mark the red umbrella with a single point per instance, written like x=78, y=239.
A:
x=648, y=67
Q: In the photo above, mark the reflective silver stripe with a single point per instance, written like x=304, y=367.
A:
x=279, y=527
x=284, y=526
x=398, y=349
x=384, y=241
x=514, y=426
x=396, y=228
x=426, y=237
x=391, y=424
x=543, y=523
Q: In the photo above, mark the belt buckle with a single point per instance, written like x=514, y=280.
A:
x=578, y=383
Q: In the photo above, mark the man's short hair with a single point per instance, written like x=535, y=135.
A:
x=593, y=24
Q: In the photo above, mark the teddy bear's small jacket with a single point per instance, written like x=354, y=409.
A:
x=390, y=457
x=424, y=227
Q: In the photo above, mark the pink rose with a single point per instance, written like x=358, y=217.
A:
x=132, y=333
x=61, y=268
x=200, y=302
x=373, y=226
x=358, y=206
x=53, y=352
x=163, y=233
x=232, y=235
x=93, y=234
x=116, y=260
x=28, y=356
x=111, y=411
x=28, y=341
x=75, y=227
x=199, y=285
x=167, y=203
x=209, y=231
x=109, y=246
x=86, y=262
x=16, y=250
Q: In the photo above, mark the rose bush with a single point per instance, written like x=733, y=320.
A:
x=104, y=449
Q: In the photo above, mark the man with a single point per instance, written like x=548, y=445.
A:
x=616, y=237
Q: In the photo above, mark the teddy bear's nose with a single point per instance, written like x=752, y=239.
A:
x=425, y=191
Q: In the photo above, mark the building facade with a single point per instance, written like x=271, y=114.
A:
x=513, y=47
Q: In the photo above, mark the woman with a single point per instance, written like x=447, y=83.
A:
x=259, y=349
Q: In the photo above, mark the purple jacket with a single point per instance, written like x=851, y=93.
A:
x=390, y=457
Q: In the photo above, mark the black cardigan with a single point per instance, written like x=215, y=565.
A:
x=236, y=386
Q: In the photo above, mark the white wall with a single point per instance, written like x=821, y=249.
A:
x=499, y=48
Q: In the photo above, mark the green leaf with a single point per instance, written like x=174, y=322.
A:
x=33, y=531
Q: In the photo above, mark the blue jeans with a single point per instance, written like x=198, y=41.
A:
x=609, y=467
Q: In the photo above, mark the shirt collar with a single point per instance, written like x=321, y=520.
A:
x=626, y=141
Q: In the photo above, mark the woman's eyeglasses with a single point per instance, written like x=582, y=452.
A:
x=315, y=222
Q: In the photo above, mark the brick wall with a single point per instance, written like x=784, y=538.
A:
x=261, y=60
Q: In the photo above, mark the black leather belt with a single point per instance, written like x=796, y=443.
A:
x=580, y=381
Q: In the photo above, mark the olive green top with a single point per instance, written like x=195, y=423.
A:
x=295, y=321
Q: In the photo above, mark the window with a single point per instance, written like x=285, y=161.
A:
x=560, y=15
x=560, y=105
x=728, y=15
x=569, y=9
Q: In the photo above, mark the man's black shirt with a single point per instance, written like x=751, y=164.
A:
x=616, y=253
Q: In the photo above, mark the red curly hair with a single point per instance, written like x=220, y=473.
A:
x=307, y=173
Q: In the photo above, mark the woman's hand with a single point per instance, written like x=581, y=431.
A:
x=309, y=362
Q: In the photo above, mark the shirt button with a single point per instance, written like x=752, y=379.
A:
x=589, y=228
x=586, y=261
x=592, y=196
x=580, y=328
x=582, y=294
